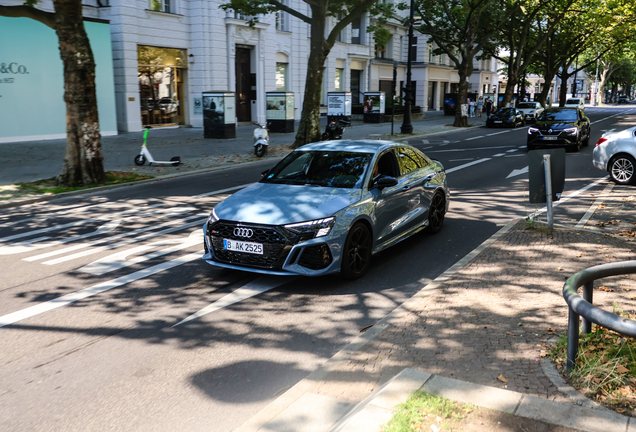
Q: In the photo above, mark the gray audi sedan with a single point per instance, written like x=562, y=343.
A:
x=328, y=207
x=615, y=152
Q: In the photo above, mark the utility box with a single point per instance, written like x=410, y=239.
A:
x=374, y=107
x=219, y=114
x=338, y=106
x=280, y=111
x=536, y=174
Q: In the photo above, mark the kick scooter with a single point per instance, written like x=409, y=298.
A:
x=145, y=155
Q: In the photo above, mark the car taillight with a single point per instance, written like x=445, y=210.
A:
x=600, y=141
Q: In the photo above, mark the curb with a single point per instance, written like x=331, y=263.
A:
x=379, y=407
x=279, y=405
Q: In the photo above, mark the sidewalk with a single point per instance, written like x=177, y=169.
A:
x=29, y=161
x=491, y=314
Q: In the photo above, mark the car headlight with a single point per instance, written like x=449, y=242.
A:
x=312, y=229
x=571, y=131
x=213, y=217
x=532, y=130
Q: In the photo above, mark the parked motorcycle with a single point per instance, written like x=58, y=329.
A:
x=334, y=130
x=261, y=140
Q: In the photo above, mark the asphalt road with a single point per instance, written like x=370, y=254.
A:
x=109, y=319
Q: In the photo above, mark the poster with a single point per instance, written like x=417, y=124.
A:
x=276, y=108
x=198, y=106
x=339, y=104
x=290, y=107
x=374, y=103
x=213, y=109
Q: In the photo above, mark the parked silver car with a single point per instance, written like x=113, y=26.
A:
x=615, y=152
x=328, y=207
x=531, y=110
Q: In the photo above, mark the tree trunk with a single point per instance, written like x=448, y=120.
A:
x=83, y=163
x=543, y=96
x=513, y=77
x=563, y=91
x=309, y=128
x=461, y=120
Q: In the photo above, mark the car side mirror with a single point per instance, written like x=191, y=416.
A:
x=264, y=173
x=385, y=182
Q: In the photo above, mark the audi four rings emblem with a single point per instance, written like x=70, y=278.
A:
x=243, y=232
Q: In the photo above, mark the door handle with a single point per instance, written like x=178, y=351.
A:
x=405, y=188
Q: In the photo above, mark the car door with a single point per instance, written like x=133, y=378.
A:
x=391, y=204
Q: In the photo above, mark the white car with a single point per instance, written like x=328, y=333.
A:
x=615, y=152
x=575, y=102
x=530, y=110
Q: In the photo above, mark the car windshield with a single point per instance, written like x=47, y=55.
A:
x=526, y=105
x=573, y=101
x=339, y=169
x=567, y=115
x=506, y=111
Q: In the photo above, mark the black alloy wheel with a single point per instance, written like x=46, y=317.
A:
x=621, y=169
x=436, y=214
x=356, y=255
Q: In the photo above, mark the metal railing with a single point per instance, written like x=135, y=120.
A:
x=582, y=306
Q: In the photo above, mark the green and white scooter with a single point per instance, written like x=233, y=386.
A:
x=145, y=155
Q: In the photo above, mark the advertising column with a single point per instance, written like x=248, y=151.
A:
x=219, y=114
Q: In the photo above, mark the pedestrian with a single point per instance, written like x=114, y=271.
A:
x=480, y=105
x=488, y=106
x=471, y=106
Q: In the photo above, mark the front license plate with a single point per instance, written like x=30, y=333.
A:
x=497, y=121
x=239, y=246
x=550, y=138
x=528, y=116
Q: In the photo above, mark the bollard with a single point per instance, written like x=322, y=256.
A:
x=548, y=189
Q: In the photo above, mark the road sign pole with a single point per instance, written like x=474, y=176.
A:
x=548, y=189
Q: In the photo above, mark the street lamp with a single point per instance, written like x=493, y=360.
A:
x=595, y=101
x=407, y=127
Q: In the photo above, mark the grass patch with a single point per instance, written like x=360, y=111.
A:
x=605, y=369
x=48, y=186
x=421, y=410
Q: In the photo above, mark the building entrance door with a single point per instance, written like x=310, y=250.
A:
x=243, y=85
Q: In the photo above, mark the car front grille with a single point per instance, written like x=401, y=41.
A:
x=276, y=244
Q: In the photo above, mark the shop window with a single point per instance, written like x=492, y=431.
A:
x=281, y=76
x=162, y=6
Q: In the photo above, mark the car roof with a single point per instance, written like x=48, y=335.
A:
x=561, y=108
x=356, y=146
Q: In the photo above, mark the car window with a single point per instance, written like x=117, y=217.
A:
x=409, y=160
x=573, y=101
x=526, y=105
x=506, y=111
x=558, y=115
x=337, y=169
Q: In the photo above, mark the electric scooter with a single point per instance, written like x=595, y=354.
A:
x=261, y=140
x=145, y=155
x=334, y=130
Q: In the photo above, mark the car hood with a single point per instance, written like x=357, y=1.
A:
x=276, y=204
x=545, y=125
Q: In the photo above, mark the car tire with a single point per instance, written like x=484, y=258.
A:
x=356, y=254
x=622, y=169
x=530, y=147
x=436, y=214
x=576, y=147
x=586, y=141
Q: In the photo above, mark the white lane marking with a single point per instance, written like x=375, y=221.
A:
x=30, y=245
x=426, y=148
x=586, y=217
x=522, y=147
x=510, y=151
x=119, y=260
x=497, y=133
x=517, y=172
x=474, y=138
x=461, y=160
x=77, y=223
x=108, y=239
x=425, y=141
x=572, y=195
x=607, y=118
x=514, y=155
x=220, y=191
x=448, y=171
x=499, y=154
x=124, y=243
x=257, y=286
x=32, y=311
x=446, y=142
x=470, y=149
